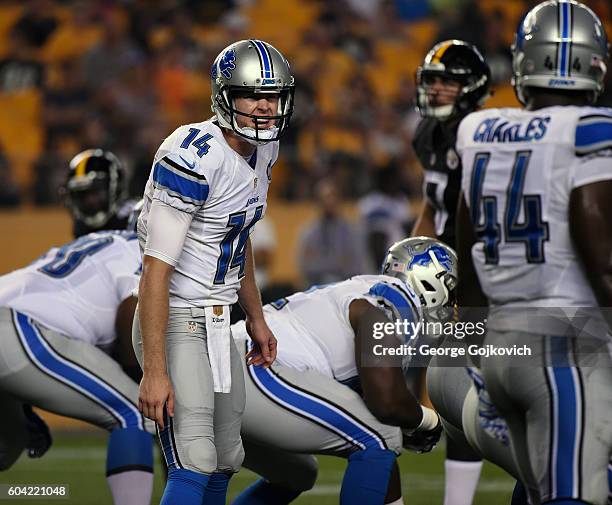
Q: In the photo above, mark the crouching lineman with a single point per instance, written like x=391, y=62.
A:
x=325, y=397
x=56, y=316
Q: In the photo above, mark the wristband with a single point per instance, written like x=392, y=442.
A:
x=430, y=420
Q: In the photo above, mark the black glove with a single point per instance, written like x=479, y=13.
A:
x=422, y=441
x=39, y=436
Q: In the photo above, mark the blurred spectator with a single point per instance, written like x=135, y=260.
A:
x=36, y=23
x=9, y=193
x=50, y=172
x=385, y=213
x=329, y=249
x=107, y=60
x=263, y=242
x=19, y=69
x=66, y=101
x=461, y=19
x=496, y=50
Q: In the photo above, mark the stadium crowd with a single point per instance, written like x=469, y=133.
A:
x=75, y=74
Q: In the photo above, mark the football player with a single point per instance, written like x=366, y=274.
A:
x=453, y=81
x=95, y=192
x=59, y=316
x=534, y=232
x=329, y=394
x=207, y=189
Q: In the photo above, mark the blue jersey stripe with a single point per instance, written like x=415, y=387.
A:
x=197, y=191
x=593, y=133
x=264, y=58
x=73, y=375
x=312, y=407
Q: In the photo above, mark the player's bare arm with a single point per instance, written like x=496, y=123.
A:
x=384, y=388
x=123, y=351
x=155, y=388
x=591, y=231
x=469, y=292
x=264, y=351
x=424, y=226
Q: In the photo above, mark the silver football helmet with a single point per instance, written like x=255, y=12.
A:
x=429, y=266
x=560, y=44
x=252, y=67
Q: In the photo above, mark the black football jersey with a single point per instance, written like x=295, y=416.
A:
x=434, y=144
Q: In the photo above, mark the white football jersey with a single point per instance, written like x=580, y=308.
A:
x=313, y=328
x=519, y=169
x=197, y=172
x=76, y=289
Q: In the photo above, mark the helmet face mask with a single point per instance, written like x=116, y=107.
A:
x=429, y=268
x=454, y=61
x=226, y=103
x=560, y=45
x=252, y=68
x=94, y=189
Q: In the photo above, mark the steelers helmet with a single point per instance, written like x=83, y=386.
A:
x=458, y=61
x=252, y=67
x=95, y=187
x=430, y=268
x=562, y=45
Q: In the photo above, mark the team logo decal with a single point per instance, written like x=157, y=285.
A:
x=452, y=160
x=218, y=310
x=228, y=63
x=424, y=258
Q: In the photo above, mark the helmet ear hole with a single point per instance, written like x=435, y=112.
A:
x=428, y=286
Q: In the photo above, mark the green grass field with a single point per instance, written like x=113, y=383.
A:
x=78, y=460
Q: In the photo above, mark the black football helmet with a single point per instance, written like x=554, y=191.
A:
x=458, y=61
x=95, y=188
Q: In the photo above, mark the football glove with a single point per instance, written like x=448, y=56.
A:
x=422, y=441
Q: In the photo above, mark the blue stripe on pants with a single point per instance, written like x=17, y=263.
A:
x=567, y=418
x=311, y=407
x=71, y=374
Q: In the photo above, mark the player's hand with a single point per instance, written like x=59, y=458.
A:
x=422, y=441
x=264, y=343
x=154, y=394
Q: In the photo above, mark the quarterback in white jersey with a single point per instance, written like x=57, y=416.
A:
x=56, y=315
x=328, y=393
x=534, y=240
x=207, y=189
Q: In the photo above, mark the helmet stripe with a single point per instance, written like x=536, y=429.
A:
x=79, y=171
x=564, y=38
x=265, y=58
x=441, y=50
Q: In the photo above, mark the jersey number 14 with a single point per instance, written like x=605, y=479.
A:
x=233, y=256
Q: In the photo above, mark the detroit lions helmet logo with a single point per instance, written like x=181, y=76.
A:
x=228, y=63
x=424, y=258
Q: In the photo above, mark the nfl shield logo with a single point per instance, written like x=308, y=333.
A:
x=192, y=326
x=255, y=183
